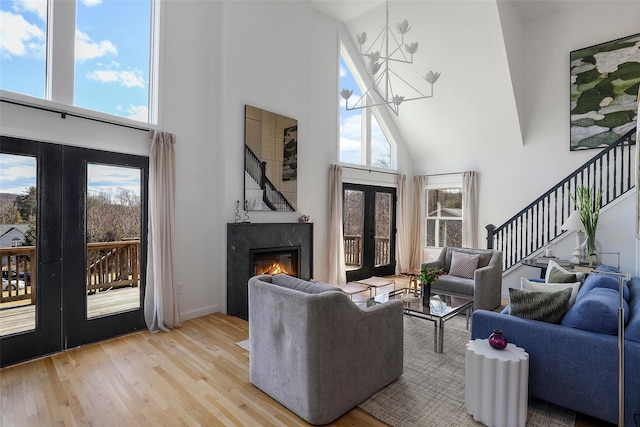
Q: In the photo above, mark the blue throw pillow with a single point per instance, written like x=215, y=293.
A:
x=595, y=280
x=596, y=311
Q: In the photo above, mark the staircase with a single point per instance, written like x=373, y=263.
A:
x=611, y=171
x=272, y=198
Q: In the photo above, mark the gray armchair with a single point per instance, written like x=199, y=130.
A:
x=486, y=285
x=315, y=351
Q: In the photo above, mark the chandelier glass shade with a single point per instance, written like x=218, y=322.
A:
x=386, y=86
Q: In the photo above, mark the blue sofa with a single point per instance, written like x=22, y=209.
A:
x=574, y=364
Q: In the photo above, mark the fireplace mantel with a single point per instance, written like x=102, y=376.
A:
x=244, y=237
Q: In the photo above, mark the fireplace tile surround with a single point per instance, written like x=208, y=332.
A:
x=242, y=238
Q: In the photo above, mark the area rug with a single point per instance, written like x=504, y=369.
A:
x=430, y=392
x=243, y=344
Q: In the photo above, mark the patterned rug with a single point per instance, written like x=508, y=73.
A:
x=430, y=392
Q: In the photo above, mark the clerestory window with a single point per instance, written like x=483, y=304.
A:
x=362, y=140
x=95, y=54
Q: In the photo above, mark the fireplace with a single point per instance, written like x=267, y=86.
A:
x=254, y=247
x=283, y=260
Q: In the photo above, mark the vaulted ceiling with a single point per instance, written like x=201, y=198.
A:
x=475, y=105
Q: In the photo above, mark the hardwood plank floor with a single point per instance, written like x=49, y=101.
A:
x=194, y=375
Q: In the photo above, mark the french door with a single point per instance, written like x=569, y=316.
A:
x=369, y=221
x=78, y=274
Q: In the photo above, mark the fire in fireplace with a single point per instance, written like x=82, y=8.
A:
x=284, y=260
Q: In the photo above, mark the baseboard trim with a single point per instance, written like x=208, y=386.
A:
x=199, y=313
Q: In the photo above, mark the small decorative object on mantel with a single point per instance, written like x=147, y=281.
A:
x=497, y=340
x=247, y=207
x=427, y=277
x=238, y=218
x=304, y=219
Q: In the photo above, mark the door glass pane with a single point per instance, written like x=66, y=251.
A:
x=383, y=229
x=23, y=47
x=353, y=213
x=18, y=210
x=112, y=57
x=113, y=239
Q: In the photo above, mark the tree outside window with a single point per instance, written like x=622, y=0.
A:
x=443, y=217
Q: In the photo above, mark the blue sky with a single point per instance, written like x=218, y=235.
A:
x=18, y=173
x=351, y=124
x=111, y=53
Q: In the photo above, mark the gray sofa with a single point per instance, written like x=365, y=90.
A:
x=486, y=286
x=317, y=352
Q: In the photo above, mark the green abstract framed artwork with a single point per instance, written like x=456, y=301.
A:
x=604, y=89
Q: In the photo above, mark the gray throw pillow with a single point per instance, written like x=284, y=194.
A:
x=557, y=276
x=547, y=307
x=463, y=265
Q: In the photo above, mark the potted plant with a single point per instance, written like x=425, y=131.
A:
x=427, y=277
x=588, y=203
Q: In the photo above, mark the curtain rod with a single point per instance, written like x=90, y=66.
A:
x=447, y=173
x=369, y=170
x=64, y=114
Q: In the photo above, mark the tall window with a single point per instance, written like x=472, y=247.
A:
x=362, y=140
x=95, y=55
x=444, y=217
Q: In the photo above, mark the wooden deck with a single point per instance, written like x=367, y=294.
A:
x=15, y=318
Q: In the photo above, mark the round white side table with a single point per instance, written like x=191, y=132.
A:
x=496, y=389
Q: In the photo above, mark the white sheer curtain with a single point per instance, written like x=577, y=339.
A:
x=337, y=273
x=469, y=210
x=417, y=238
x=403, y=222
x=161, y=310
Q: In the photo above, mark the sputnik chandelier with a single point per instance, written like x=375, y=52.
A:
x=382, y=77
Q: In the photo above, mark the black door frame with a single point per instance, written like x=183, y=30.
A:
x=46, y=338
x=61, y=252
x=79, y=330
x=369, y=268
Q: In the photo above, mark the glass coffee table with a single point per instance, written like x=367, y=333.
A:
x=441, y=308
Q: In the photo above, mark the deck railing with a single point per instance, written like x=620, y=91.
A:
x=109, y=264
x=353, y=251
x=18, y=274
x=112, y=264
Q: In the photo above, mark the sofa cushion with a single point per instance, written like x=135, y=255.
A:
x=483, y=261
x=596, y=280
x=302, y=285
x=531, y=286
x=544, y=306
x=454, y=285
x=596, y=312
x=632, y=330
x=463, y=265
x=554, y=268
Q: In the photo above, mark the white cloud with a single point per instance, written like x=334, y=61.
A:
x=125, y=78
x=39, y=7
x=17, y=173
x=343, y=72
x=91, y=3
x=107, y=179
x=138, y=112
x=19, y=37
x=86, y=48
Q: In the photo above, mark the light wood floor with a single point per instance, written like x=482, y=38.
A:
x=194, y=375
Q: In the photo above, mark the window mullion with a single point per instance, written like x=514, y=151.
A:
x=61, y=31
